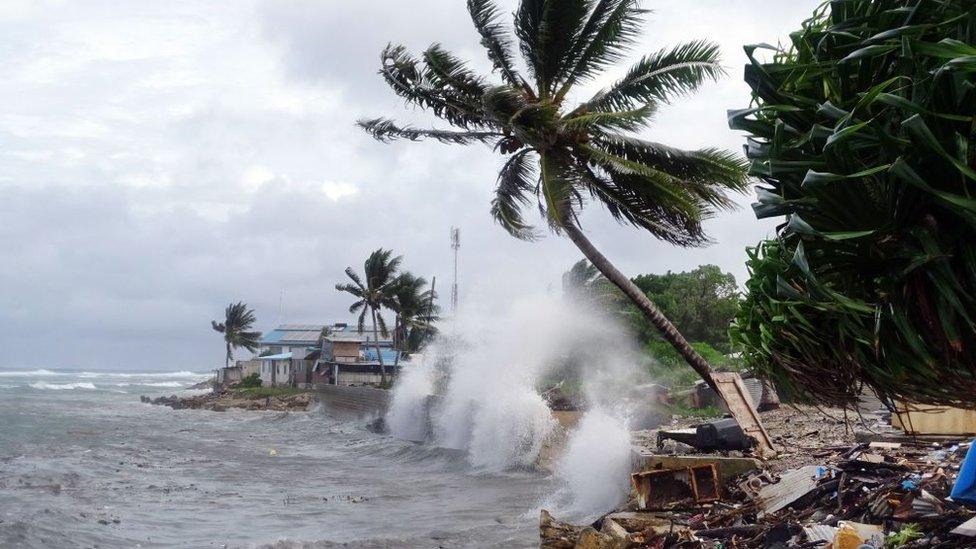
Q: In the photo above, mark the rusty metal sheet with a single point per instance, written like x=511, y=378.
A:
x=792, y=486
x=736, y=397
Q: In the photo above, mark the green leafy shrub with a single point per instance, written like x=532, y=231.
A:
x=668, y=368
x=863, y=135
x=252, y=380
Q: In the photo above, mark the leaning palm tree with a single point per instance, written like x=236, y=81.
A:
x=380, y=271
x=560, y=153
x=415, y=311
x=237, y=329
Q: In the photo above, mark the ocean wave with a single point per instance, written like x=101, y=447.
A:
x=61, y=386
x=150, y=384
x=7, y=386
x=128, y=375
x=30, y=373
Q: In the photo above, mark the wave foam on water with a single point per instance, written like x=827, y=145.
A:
x=150, y=384
x=128, y=375
x=62, y=386
x=30, y=373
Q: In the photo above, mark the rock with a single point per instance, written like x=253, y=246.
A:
x=555, y=534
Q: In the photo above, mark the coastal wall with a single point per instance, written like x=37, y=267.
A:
x=354, y=401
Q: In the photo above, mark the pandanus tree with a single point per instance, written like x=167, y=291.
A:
x=558, y=154
x=373, y=293
x=237, y=328
x=863, y=133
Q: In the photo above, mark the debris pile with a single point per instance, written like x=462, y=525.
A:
x=866, y=495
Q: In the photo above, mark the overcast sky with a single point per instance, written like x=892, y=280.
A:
x=161, y=159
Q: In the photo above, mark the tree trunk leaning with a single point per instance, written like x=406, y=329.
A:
x=376, y=343
x=643, y=303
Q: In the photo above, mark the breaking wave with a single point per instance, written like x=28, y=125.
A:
x=150, y=384
x=180, y=374
x=61, y=386
x=29, y=373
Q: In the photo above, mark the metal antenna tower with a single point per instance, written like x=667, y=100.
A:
x=455, y=245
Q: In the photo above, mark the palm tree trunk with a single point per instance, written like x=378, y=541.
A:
x=640, y=299
x=227, y=358
x=376, y=343
x=398, y=340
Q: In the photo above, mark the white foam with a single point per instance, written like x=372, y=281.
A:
x=595, y=467
x=30, y=373
x=128, y=375
x=61, y=386
x=150, y=384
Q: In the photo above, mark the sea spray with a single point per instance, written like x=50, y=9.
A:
x=407, y=418
x=487, y=371
x=594, y=469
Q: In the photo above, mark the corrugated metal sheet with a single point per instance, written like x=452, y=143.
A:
x=281, y=356
x=792, y=486
x=389, y=355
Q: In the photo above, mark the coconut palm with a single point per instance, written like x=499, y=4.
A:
x=237, y=329
x=380, y=272
x=558, y=153
x=415, y=311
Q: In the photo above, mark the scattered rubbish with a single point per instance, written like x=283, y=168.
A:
x=661, y=489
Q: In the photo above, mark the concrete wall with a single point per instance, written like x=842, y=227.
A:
x=354, y=401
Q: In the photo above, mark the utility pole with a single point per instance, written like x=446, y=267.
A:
x=455, y=245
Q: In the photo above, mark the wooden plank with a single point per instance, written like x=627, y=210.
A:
x=736, y=397
x=933, y=420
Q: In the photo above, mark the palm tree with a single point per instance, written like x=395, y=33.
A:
x=236, y=327
x=380, y=271
x=560, y=153
x=415, y=311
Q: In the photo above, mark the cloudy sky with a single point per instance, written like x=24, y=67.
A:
x=161, y=159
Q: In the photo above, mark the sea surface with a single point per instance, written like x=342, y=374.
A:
x=83, y=463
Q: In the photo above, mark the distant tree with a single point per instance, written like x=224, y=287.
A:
x=237, y=329
x=415, y=309
x=558, y=153
x=701, y=303
x=380, y=273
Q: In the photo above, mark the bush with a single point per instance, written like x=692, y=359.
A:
x=862, y=135
x=252, y=380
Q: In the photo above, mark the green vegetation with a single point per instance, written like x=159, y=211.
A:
x=237, y=329
x=907, y=534
x=250, y=381
x=262, y=392
x=401, y=292
x=863, y=135
x=558, y=153
x=667, y=368
x=702, y=303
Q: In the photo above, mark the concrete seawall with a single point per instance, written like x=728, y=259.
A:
x=358, y=402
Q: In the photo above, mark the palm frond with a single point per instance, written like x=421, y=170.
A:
x=515, y=183
x=610, y=31
x=355, y=278
x=661, y=77
x=599, y=121
x=556, y=189
x=721, y=167
x=386, y=130
x=494, y=37
x=449, y=93
x=558, y=28
x=448, y=70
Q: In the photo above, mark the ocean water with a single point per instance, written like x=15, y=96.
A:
x=83, y=463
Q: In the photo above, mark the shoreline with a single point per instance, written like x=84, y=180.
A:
x=272, y=399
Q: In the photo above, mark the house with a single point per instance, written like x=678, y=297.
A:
x=348, y=358
x=290, y=354
x=229, y=375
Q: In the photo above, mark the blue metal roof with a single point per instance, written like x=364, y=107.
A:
x=281, y=356
x=389, y=355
